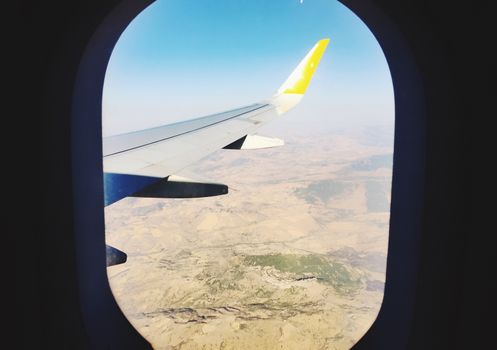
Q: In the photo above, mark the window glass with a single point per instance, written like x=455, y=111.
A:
x=294, y=255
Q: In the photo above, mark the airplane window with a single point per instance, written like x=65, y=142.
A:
x=263, y=224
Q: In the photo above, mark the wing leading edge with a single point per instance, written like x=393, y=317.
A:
x=138, y=162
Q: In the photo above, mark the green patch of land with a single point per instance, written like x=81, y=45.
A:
x=373, y=163
x=322, y=190
x=372, y=261
x=376, y=196
x=321, y=268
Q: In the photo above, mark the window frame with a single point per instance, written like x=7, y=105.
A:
x=105, y=323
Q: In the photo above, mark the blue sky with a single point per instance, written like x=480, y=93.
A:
x=181, y=59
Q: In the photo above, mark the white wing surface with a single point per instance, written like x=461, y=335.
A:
x=141, y=163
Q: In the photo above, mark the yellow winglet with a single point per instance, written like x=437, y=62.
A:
x=300, y=78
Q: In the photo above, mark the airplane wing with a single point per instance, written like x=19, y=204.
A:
x=144, y=163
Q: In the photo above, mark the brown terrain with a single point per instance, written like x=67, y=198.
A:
x=292, y=258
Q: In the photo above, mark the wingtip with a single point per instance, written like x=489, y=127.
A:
x=300, y=78
x=323, y=44
x=295, y=86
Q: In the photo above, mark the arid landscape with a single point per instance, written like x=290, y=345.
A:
x=293, y=257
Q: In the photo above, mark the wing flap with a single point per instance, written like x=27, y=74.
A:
x=167, y=188
x=255, y=142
